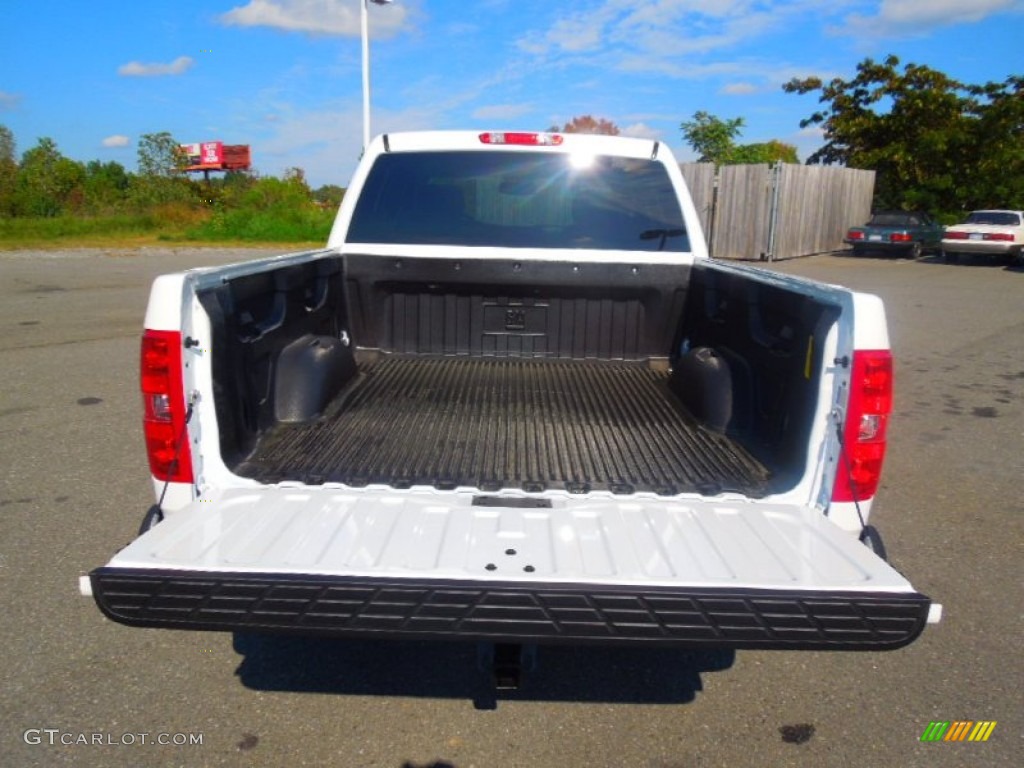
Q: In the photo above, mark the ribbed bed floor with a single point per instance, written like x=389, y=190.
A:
x=493, y=424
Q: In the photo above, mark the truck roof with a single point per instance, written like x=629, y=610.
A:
x=530, y=141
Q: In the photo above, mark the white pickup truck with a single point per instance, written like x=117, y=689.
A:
x=513, y=401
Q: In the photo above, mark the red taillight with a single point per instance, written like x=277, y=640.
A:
x=854, y=234
x=1001, y=236
x=864, y=434
x=523, y=139
x=900, y=237
x=955, y=235
x=163, y=400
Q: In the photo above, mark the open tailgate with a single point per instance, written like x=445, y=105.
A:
x=464, y=566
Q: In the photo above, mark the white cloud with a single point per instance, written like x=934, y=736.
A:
x=575, y=33
x=739, y=89
x=815, y=132
x=807, y=141
x=117, y=140
x=502, y=111
x=641, y=131
x=678, y=69
x=137, y=69
x=663, y=36
x=9, y=100
x=899, y=18
x=326, y=143
x=323, y=17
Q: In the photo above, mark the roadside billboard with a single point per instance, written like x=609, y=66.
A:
x=205, y=154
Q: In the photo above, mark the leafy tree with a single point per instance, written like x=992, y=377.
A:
x=329, y=195
x=934, y=142
x=106, y=186
x=232, y=187
x=47, y=182
x=160, y=179
x=8, y=171
x=226, y=191
x=296, y=177
x=769, y=152
x=711, y=137
x=714, y=140
x=588, y=124
x=7, y=145
x=282, y=195
x=998, y=179
x=160, y=155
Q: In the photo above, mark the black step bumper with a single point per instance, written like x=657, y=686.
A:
x=509, y=612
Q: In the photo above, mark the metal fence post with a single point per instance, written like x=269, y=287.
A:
x=773, y=210
x=713, y=209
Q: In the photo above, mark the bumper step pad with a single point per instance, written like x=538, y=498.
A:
x=510, y=612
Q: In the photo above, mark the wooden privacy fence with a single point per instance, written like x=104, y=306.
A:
x=777, y=212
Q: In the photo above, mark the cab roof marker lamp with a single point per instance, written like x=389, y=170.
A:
x=522, y=139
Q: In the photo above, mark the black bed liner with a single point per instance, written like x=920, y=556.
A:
x=493, y=424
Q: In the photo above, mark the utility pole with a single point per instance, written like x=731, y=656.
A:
x=363, y=9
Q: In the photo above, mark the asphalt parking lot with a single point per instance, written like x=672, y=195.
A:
x=74, y=485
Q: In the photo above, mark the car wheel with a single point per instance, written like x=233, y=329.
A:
x=914, y=251
x=950, y=257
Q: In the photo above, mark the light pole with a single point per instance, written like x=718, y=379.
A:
x=363, y=6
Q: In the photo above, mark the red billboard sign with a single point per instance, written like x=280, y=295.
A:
x=216, y=156
x=206, y=154
x=212, y=153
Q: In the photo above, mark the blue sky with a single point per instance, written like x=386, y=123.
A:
x=284, y=75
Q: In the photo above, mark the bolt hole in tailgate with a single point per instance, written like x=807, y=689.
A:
x=427, y=563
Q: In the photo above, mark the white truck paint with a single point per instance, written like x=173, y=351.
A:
x=773, y=561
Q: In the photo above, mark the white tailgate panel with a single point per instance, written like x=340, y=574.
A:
x=430, y=535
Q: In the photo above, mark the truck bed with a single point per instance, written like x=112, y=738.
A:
x=505, y=423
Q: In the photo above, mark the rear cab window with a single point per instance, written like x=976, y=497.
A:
x=519, y=200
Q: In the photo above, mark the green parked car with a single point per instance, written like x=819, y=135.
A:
x=904, y=233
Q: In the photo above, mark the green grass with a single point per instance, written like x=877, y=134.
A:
x=276, y=225
x=169, y=224
x=64, y=230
